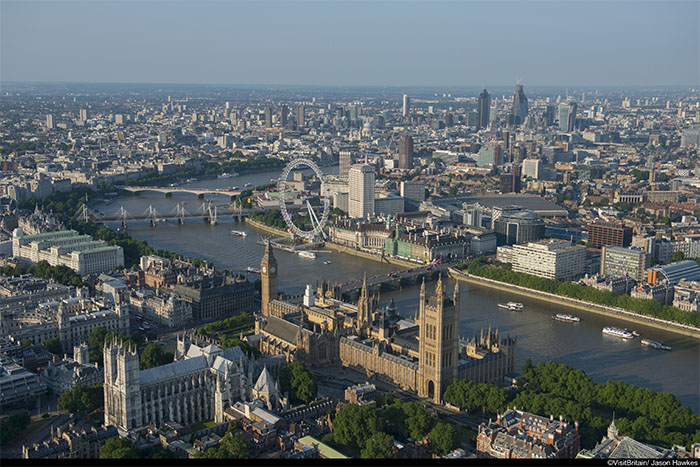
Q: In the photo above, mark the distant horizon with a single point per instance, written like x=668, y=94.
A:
x=695, y=86
x=351, y=43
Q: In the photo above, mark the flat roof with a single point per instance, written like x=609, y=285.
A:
x=325, y=450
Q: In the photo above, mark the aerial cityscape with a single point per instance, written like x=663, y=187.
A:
x=228, y=233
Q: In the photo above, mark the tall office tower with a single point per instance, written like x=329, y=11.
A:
x=83, y=115
x=519, y=104
x=406, y=152
x=268, y=117
x=49, y=122
x=284, y=111
x=549, y=114
x=361, y=191
x=567, y=116
x=438, y=342
x=353, y=115
x=300, y=116
x=345, y=161
x=406, y=106
x=268, y=279
x=483, y=109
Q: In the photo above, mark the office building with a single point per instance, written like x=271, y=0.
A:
x=268, y=117
x=567, y=116
x=532, y=168
x=405, y=148
x=361, y=191
x=72, y=442
x=620, y=262
x=413, y=190
x=284, y=112
x=510, y=182
x=490, y=155
x=83, y=115
x=49, y=122
x=520, y=435
x=301, y=117
x=483, y=109
x=345, y=159
x=406, y=109
x=549, y=258
x=513, y=224
x=216, y=297
x=67, y=248
x=520, y=109
x=602, y=234
x=19, y=387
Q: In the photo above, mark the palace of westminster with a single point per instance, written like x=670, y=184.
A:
x=424, y=355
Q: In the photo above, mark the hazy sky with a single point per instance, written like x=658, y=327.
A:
x=352, y=43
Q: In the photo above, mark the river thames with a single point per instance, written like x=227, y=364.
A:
x=580, y=345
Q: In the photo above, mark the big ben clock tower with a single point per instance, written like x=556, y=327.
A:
x=268, y=279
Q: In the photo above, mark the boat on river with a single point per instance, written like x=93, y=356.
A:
x=617, y=332
x=566, y=317
x=655, y=344
x=511, y=306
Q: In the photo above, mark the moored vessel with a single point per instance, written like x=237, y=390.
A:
x=512, y=306
x=617, y=332
x=655, y=344
x=307, y=254
x=239, y=233
x=566, y=317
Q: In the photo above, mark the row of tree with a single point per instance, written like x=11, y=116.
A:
x=208, y=169
x=12, y=427
x=123, y=448
x=556, y=389
x=582, y=292
x=368, y=432
x=61, y=274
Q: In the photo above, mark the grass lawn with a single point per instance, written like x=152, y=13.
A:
x=201, y=425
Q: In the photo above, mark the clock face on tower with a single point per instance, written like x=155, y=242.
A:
x=264, y=270
x=272, y=270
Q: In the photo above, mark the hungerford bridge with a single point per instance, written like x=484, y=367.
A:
x=207, y=211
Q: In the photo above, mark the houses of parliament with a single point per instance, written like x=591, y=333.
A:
x=424, y=355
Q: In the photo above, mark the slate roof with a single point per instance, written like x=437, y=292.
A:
x=282, y=329
x=172, y=370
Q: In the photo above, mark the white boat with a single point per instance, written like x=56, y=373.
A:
x=655, y=344
x=224, y=175
x=191, y=180
x=617, y=332
x=512, y=306
x=307, y=254
x=248, y=184
x=634, y=333
x=326, y=262
x=566, y=317
x=239, y=233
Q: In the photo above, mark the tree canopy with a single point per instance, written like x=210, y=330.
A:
x=444, y=438
x=581, y=292
x=82, y=400
x=298, y=382
x=153, y=356
x=378, y=446
x=53, y=345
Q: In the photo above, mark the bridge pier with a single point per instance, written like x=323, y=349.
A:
x=153, y=223
x=168, y=194
x=200, y=196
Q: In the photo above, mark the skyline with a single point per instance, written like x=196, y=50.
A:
x=368, y=46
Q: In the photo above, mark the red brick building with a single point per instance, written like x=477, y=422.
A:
x=521, y=435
